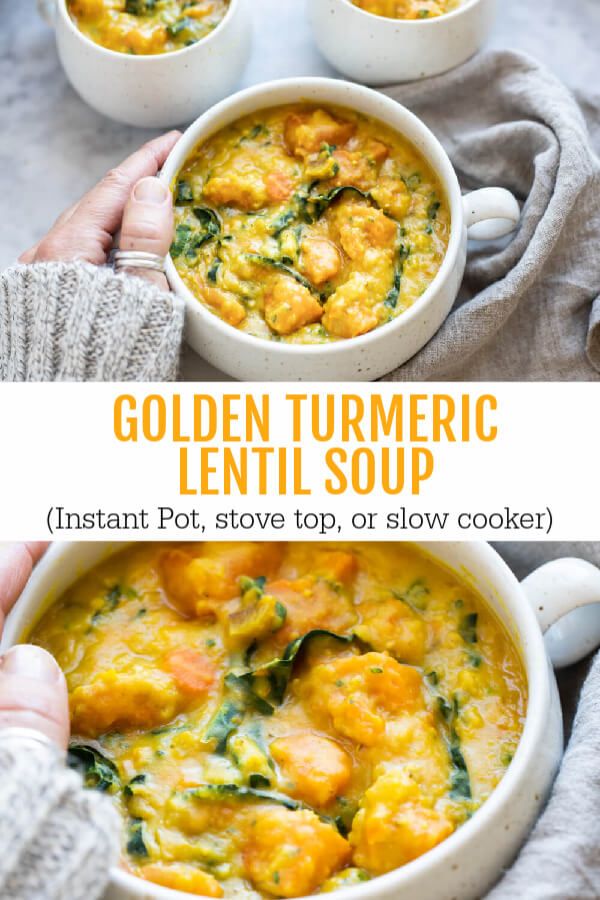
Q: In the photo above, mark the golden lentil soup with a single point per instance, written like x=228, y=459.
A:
x=307, y=224
x=146, y=27
x=407, y=9
x=273, y=720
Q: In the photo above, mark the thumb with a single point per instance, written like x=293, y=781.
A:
x=33, y=693
x=148, y=224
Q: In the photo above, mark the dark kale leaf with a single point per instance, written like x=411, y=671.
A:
x=136, y=846
x=468, y=628
x=225, y=721
x=98, y=772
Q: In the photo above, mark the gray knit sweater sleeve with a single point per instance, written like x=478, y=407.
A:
x=76, y=322
x=58, y=841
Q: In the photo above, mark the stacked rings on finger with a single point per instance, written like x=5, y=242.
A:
x=138, y=259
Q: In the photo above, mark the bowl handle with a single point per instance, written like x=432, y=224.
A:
x=47, y=10
x=490, y=213
x=565, y=595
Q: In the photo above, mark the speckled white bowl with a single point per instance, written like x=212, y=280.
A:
x=157, y=91
x=467, y=863
x=377, y=50
x=486, y=213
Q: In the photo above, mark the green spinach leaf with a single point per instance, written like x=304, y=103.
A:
x=468, y=628
x=393, y=295
x=136, y=845
x=98, y=772
x=281, y=266
x=227, y=718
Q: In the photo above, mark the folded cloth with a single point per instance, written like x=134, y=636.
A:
x=530, y=307
x=70, y=321
x=560, y=861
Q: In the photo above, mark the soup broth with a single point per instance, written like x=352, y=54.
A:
x=308, y=224
x=407, y=9
x=147, y=27
x=274, y=720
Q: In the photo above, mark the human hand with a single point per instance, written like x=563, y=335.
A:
x=33, y=690
x=129, y=199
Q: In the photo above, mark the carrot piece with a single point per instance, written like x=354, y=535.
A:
x=193, y=672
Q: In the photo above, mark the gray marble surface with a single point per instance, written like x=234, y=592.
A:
x=53, y=147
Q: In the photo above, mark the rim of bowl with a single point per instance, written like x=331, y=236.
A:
x=527, y=636
x=409, y=23
x=144, y=57
x=448, y=180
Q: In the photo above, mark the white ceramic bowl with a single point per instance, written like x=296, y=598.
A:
x=490, y=212
x=157, y=91
x=467, y=863
x=377, y=50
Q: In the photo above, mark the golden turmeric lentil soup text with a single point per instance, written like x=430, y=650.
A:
x=274, y=720
x=407, y=9
x=307, y=224
x=147, y=27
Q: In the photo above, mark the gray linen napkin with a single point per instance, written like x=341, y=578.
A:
x=530, y=307
x=561, y=860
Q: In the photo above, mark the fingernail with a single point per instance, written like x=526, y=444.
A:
x=31, y=662
x=150, y=190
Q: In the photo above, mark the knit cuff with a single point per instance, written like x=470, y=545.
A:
x=76, y=322
x=59, y=841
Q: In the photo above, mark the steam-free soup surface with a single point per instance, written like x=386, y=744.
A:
x=275, y=720
x=308, y=224
x=407, y=9
x=147, y=27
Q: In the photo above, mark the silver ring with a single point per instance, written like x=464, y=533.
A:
x=138, y=259
x=17, y=733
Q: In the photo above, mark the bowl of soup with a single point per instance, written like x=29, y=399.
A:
x=151, y=63
x=382, y=42
x=279, y=720
x=320, y=233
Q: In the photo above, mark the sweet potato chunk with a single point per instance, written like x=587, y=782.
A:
x=376, y=151
x=289, y=853
x=142, y=698
x=289, y=306
x=395, y=824
x=393, y=196
x=242, y=188
x=358, y=694
x=311, y=603
x=320, y=260
x=354, y=168
x=362, y=228
x=307, y=132
x=225, y=304
x=316, y=768
x=182, y=877
x=338, y=565
x=346, y=313
x=390, y=626
x=198, y=586
x=193, y=672
x=279, y=186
